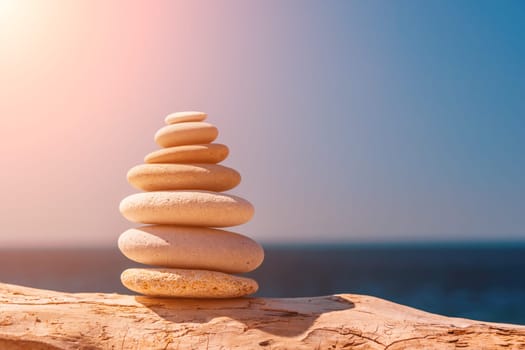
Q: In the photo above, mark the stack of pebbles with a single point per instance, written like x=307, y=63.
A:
x=182, y=205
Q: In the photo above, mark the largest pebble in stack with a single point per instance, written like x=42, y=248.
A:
x=182, y=206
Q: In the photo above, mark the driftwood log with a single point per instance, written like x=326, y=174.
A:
x=46, y=320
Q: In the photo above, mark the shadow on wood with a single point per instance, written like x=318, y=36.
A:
x=272, y=316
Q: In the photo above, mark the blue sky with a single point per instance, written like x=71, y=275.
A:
x=349, y=120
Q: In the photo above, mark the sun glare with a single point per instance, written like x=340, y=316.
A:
x=14, y=15
x=8, y=9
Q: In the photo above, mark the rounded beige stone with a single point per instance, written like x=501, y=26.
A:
x=165, y=177
x=180, y=283
x=188, y=116
x=208, y=153
x=187, y=208
x=199, y=248
x=189, y=133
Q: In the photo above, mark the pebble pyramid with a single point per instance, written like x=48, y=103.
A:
x=182, y=207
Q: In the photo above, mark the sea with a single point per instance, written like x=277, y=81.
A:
x=479, y=281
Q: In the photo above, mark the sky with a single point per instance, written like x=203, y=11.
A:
x=349, y=121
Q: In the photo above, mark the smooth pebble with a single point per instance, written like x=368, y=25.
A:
x=182, y=283
x=199, y=248
x=165, y=177
x=188, y=116
x=208, y=153
x=187, y=208
x=189, y=133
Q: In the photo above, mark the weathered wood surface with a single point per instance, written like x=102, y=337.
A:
x=40, y=319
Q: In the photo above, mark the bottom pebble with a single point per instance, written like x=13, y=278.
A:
x=182, y=283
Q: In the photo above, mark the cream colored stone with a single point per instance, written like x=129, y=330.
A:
x=208, y=153
x=184, y=247
x=187, y=283
x=189, y=133
x=166, y=177
x=181, y=117
x=190, y=208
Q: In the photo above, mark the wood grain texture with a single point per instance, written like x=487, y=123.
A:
x=47, y=320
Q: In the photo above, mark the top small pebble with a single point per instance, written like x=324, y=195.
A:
x=181, y=117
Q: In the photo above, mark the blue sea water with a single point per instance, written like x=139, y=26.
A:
x=483, y=281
